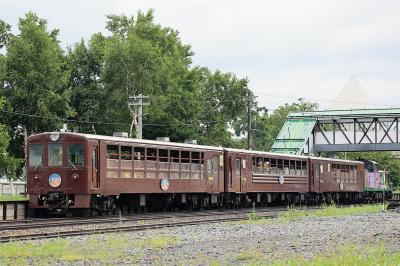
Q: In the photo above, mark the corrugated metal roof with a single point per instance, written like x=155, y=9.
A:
x=293, y=136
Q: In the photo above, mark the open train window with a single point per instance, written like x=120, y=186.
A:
x=196, y=157
x=174, y=156
x=151, y=154
x=163, y=155
x=274, y=169
x=126, y=153
x=185, y=157
x=286, y=167
x=112, y=152
x=279, y=166
x=138, y=153
x=35, y=155
x=298, y=167
x=55, y=154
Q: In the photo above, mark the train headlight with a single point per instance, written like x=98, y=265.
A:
x=55, y=180
x=75, y=176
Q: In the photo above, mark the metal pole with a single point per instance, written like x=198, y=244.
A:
x=384, y=183
x=140, y=117
x=249, y=103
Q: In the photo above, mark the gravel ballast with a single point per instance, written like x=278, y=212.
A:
x=224, y=242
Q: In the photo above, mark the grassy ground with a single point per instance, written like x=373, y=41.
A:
x=113, y=249
x=13, y=198
x=326, y=211
x=345, y=255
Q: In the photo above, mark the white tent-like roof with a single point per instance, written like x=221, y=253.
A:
x=352, y=96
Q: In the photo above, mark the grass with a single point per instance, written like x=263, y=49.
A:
x=325, y=211
x=13, y=198
x=94, y=249
x=347, y=255
x=159, y=242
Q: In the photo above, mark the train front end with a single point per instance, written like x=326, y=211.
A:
x=56, y=172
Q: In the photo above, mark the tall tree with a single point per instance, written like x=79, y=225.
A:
x=36, y=77
x=267, y=126
x=9, y=165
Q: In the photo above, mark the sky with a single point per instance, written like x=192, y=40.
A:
x=287, y=49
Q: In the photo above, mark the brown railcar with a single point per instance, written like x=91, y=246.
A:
x=81, y=170
x=253, y=171
x=334, y=175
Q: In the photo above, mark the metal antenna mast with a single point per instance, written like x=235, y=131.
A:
x=249, y=100
x=138, y=101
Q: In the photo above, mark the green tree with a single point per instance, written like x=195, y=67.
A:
x=267, y=126
x=36, y=77
x=85, y=63
x=9, y=165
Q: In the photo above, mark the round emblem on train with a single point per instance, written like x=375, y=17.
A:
x=281, y=179
x=164, y=184
x=55, y=180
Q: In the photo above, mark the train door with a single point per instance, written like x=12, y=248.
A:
x=317, y=176
x=95, y=167
x=241, y=173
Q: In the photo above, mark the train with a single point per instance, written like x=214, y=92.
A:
x=71, y=172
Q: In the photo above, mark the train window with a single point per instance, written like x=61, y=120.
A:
x=257, y=165
x=279, y=166
x=298, y=168
x=304, y=167
x=138, y=153
x=185, y=157
x=112, y=152
x=195, y=157
x=266, y=166
x=151, y=154
x=209, y=167
x=215, y=165
x=126, y=153
x=292, y=169
x=286, y=167
x=237, y=167
x=185, y=164
x=75, y=154
x=55, y=154
x=35, y=155
x=273, y=166
x=163, y=155
x=174, y=156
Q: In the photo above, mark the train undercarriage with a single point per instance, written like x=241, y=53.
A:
x=61, y=204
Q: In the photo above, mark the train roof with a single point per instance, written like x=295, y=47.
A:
x=267, y=153
x=132, y=140
x=291, y=156
x=335, y=160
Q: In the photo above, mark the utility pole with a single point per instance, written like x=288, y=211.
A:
x=138, y=101
x=249, y=100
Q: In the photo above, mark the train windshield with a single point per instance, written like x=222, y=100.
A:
x=35, y=155
x=55, y=154
x=75, y=155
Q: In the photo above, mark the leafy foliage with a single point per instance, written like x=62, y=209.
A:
x=35, y=77
x=267, y=126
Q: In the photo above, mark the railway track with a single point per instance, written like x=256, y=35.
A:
x=64, y=227
x=119, y=224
